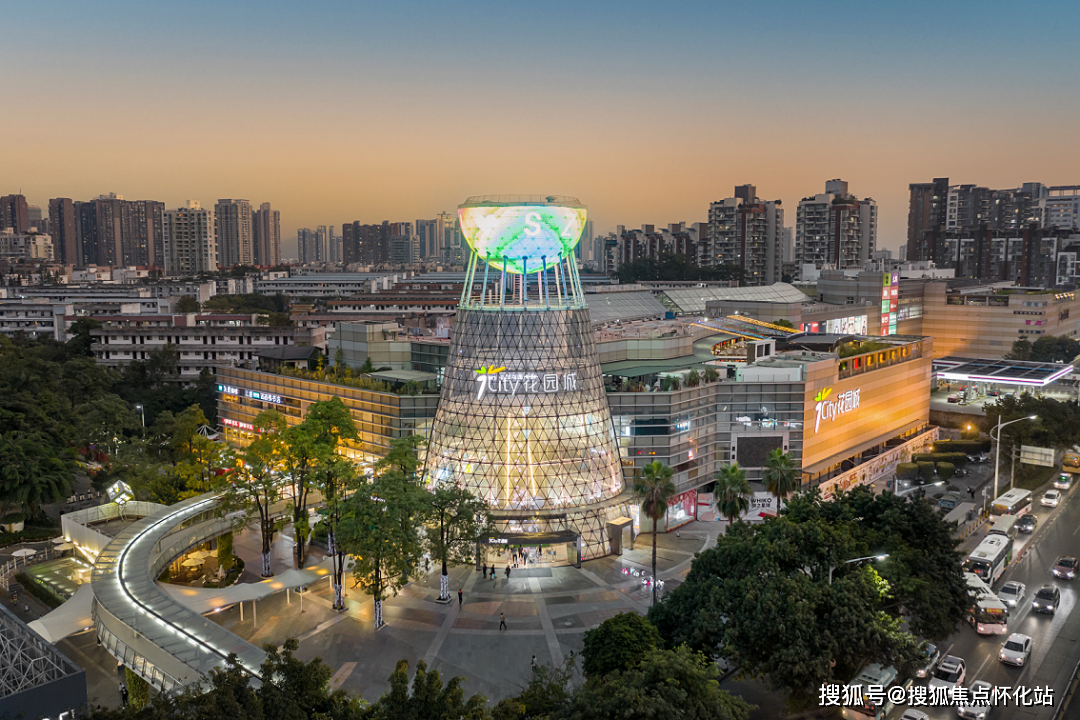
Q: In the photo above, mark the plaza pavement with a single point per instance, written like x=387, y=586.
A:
x=547, y=612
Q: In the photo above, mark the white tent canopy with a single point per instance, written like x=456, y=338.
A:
x=71, y=617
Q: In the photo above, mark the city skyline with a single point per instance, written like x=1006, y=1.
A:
x=510, y=101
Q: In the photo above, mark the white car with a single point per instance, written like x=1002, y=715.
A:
x=949, y=673
x=977, y=704
x=1064, y=481
x=933, y=657
x=1051, y=498
x=1016, y=650
x=914, y=715
x=1012, y=593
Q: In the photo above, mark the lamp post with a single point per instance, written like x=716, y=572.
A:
x=919, y=487
x=997, y=450
x=142, y=415
x=848, y=562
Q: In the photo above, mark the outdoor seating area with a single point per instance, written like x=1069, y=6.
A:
x=196, y=568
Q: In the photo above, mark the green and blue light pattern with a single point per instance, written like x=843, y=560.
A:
x=523, y=234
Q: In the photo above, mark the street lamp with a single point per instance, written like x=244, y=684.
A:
x=919, y=487
x=142, y=415
x=848, y=562
x=997, y=451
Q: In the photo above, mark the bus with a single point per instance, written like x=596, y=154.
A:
x=1005, y=525
x=870, y=708
x=988, y=560
x=987, y=614
x=1015, y=502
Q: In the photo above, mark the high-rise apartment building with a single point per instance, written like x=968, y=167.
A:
x=64, y=234
x=322, y=244
x=14, y=213
x=402, y=245
x=266, y=232
x=306, y=245
x=190, y=240
x=835, y=228
x=36, y=220
x=361, y=243
x=235, y=239
x=746, y=232
x=1059, y=207
x=113, y=231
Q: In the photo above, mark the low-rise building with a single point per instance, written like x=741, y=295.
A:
x=29, y=246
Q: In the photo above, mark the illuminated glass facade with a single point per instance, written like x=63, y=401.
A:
x=523, y=419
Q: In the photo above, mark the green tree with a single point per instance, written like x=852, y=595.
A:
x=31, y=473
x=732, y=492
x=1021, y=349
x=618, y=643
x=186, y=304
x=80, y=343
x=653, y=491
x=255, y=489
x=783, y=322
x=428, y=698
x=226, y=560
x=456, y=520
x=380, y=528
x=676, y=683
x=781, y=477
x=762, y=598
x=309, y=445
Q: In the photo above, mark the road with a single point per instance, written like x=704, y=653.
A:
x=1055, y=649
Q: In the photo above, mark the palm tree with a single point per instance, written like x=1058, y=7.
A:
x=654, y=490
x=732, y=492
x=780, y=477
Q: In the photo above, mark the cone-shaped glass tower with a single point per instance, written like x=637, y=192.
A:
x=523, y=420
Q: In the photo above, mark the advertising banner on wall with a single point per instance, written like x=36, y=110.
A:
x=762, y=506
x=883, y=465
x=682, y=509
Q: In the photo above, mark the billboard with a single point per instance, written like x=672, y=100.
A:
x=1031, y=455
x=762, y=506
x=890, y=300
x=524, y=236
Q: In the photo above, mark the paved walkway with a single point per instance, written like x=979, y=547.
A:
x=547, y=612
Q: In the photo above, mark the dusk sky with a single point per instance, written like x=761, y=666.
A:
x=646, y=111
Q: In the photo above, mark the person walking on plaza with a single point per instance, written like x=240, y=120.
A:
x=534, y=663
x=485, y=571
x=459, y=598
x=123, y=694
x=502, y=621
x=507, y=572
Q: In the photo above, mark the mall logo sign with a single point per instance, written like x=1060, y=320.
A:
x=842, y=404
x=493, y=380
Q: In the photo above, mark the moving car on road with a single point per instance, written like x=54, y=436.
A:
x=950, y=673
x=1027, y=523
x=1012, y=593
x=1063, y=482
x=933, y=657
x=914, y=715
x=1051, y=498
x=1064, y=568
x=977, y=704
x=1016, y=650
x=1046, y=599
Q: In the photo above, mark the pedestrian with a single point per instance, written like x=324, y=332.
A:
x=971, y=491
x=123, y=694
x=485, y=571
x=459, y=598
x=534, y=663
x=502, y=621
x=507, y=572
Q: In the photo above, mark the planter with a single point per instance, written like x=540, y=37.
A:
x=14, y=527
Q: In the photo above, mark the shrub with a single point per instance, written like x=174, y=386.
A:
x=926, y=470
x=39, y=591
x=138, y=689
x=907, y=471
x=945, y=470
x=968, y=447
x=958, y=459
x=225, y=552
x=12, y=518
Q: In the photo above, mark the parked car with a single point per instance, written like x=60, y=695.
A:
x=1051, y=498
x=949, y=673
x=1012, y=593
x=1064, y=568
x=977, y=704
x=1016, y=650
x=933, y=657
x=1046, y=599
x=954, y=398
x=1027, y=523
x=1063, y=482
x=914, y=715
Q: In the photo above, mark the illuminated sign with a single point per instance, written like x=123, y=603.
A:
x=498, y=541
x=265, y=397
x=525, y=236
x=228, y=390
x=237, y=424
x=842, y=404
x=493, y=380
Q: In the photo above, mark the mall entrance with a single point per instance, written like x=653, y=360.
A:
x=532, y=550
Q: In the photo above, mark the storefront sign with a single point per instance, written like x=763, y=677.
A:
x=237, y=424
x=826, y=409
x=763, y=505
x=498, y=541
x=228, y=390
x=493, y=380
x=265, y=397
